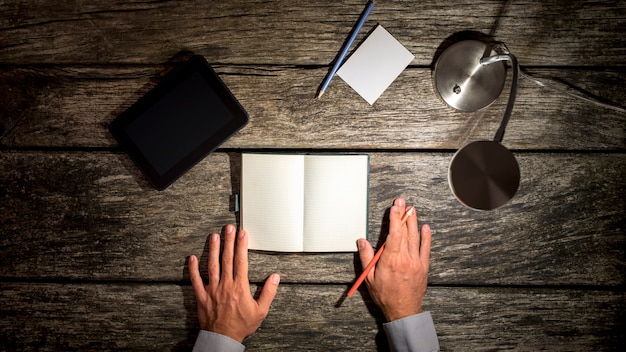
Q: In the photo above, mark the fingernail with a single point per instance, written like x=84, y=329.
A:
x=275, y=279
x=215, y=237
x=242, y=233
x=360, y=244
x=229, y=228
x=426, y=227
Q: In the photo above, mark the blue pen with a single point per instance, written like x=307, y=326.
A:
x=345, y=48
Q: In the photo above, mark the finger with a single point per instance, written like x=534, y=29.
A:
x=413, y=235
x=228, y=253
x=425, y=245
x=366, y=252
x=214, y=259
x=268, y=293
x=196, y=279
x=241, y=256
x=397, y=230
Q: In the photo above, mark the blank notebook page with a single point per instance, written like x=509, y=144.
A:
x=336, y=196
x=272, y=201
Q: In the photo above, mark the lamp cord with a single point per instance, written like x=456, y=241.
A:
x=592, y=101
x=504, y=49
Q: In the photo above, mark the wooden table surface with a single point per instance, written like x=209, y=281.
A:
x=92, y=258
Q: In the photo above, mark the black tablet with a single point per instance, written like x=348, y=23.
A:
x=183, y=119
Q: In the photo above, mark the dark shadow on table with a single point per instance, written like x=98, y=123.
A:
x=472, y=35
x=235, y=184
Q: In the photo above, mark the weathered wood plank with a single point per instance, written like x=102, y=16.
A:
x=72, y=107
x=73, y=215
x=564, y=33
x=91, y=258
x=45, y=316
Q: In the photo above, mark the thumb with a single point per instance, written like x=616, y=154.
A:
x=268, y=292
x=196, y=279
x=366, y=252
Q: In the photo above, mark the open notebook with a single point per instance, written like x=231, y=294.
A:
x=304, y=203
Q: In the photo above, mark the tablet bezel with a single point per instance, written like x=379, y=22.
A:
x=162, y=180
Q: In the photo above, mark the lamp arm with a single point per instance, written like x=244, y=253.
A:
x=509, y=106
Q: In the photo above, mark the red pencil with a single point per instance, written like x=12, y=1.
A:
x=374, y=260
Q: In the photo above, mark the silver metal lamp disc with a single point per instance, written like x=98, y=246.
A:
x=462, y=82
x=484, y=175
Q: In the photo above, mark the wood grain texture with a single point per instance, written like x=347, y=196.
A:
x=91, y=215
x=560, y=33
x=72, y=107
x=92, y=258
x=74, y=316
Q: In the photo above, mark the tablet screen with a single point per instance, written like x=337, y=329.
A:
x=178, y=123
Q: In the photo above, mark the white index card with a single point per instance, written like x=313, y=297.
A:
x=375, y=64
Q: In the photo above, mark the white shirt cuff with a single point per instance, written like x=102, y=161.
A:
x=209, y=341
x=415, y=333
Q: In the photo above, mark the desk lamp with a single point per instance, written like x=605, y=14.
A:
x=469, y=76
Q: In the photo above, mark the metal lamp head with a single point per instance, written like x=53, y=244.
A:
x=462, y=82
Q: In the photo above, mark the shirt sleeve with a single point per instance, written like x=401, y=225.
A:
x=415, y=333
x=209, y=341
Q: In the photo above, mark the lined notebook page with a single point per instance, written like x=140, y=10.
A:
x=272, y=201
x=335, y=202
